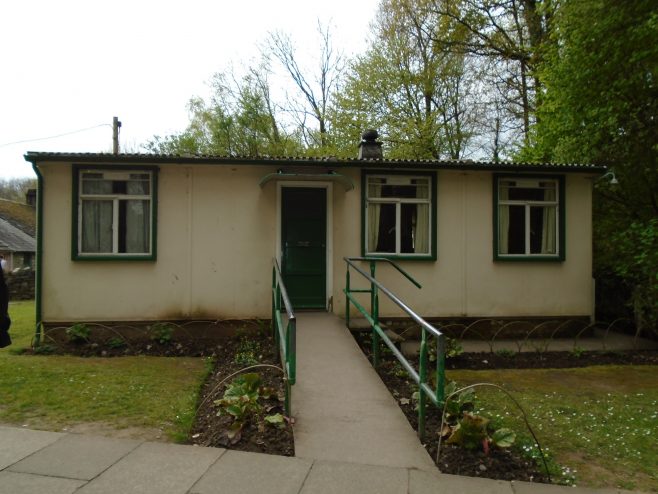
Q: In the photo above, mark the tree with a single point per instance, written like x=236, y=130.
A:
x=601, y=106
x=14, y=189
x=510, y=36
x=240, y=120
x=418, y=96
x=315, y=89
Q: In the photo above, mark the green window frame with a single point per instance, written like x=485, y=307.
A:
x=398, y=215
x=529, y=217
x=114, y=215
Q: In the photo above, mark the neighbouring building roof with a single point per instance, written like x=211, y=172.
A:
x=20, y=215
x=328, y=161
x=15, y=240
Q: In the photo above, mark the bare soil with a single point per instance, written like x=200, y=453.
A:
x=211, y=428
x=550, y=360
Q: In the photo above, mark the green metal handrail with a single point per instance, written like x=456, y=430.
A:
x=420, y=377
x=285, y=338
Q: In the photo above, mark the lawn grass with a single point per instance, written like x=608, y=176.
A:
x=598, y=423
x=55, y=392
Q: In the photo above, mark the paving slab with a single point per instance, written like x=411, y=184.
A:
x=329, y=477
x=76, y=456
x=531, y=488
x=343, y=411
x=16, y=444
x=436, y=483
x=155, y=468
x=237, y=472
x=25, y=483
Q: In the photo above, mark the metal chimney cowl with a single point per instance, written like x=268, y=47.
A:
x=369, y=147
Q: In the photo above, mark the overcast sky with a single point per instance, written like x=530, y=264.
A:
x=69, y=65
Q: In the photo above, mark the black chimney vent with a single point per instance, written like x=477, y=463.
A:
x=369, y=147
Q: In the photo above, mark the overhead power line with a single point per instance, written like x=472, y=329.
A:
x=56, y=136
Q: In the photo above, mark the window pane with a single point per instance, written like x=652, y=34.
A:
x=528, y=190
x=399, y=191
x=525, y=194
x=414, y=228
x=407, y=225
x=511, y=227
x=386, y=233
x=139, y=186
x=134, y=227
x=375, y=186
x=96, y=226
x=398, y=187
x=374, y=212
x=542, y=230
x=96, y=185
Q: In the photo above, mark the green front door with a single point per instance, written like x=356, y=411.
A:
x=303, y=245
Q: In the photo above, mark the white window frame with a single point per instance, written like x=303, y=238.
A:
x=122, y=173
x=398, y=201
x=527, y=204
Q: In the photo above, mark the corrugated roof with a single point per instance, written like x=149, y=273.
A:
x=20, y=215
x=15, y=240
x=331, y=161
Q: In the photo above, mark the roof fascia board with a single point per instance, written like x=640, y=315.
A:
x=102, y=158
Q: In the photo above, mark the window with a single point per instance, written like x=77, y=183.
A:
x=115, y=213
x=399, y=214
x=529, y=217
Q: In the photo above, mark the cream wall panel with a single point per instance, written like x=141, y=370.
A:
x=466, y=282
x=215, y=245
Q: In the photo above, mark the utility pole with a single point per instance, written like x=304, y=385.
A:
x=116, y=125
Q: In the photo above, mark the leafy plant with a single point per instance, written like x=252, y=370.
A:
x=505, y=353
x=398, y=371
x=276, y=419
x=44, y=349
x=470, y=430
x=453, y=347
x=248, y=351
x=162, y=332
x=78, y=333
x=240, y=400
x=577, y=352
x=116, y=342
x=458, y=404
x=638, y=266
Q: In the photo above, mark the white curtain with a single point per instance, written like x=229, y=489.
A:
x=137, y=219
x=422, y=230
x=97, y=218
x=548, y=236
x=96, y=226
x=374, y=211
x=503, y=221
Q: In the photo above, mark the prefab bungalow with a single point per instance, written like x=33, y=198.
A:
x=142, y=237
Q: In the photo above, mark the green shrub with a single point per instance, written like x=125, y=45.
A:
x=162, y=332
x=78, y=333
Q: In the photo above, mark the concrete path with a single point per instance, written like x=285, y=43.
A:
x=342, y=410
x=37, y=462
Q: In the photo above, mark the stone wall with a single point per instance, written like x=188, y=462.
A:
x=21, y=284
